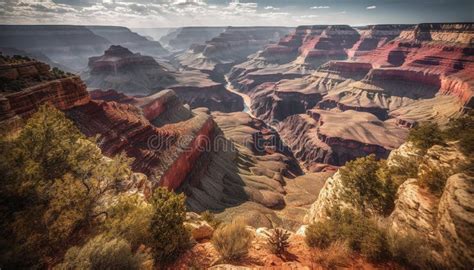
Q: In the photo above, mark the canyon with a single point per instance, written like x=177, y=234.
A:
x=256, y=122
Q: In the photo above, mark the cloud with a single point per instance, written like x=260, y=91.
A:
x=271, y=8
x=371, y=7
x=320, y=7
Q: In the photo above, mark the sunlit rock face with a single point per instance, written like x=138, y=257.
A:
x=217, y=55
x=402, y=74
x=31, y=83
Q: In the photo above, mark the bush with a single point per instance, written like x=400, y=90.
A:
x=278, y=241
x=232, y=241
x=101, y=252
x=130, y=219
x=411, y=252
x=426, y=135
x=169, y=237
x=462, y=129
x=360, y=233
x=434, y=179
x=365, y=188
x=336, y=256
x=319, y=235
x=52, y=181
x=374, y=245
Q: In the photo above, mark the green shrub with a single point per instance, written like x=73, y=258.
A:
x=426, y=135
x=462, y=129
x=319, y=234
x=52, y=181
x=101, y=252
x=365, y=188
x=411, y=251
x=360, y=233
x=374, y=244
x=130, y=219
x=278, y=242
x=434, y=179
x=232, y=241
x=169, y=236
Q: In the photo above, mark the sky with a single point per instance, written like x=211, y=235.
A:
x=176, y=13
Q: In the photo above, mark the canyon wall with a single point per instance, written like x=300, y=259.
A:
x=136, y=74
x=124, y=37
x=68, y=45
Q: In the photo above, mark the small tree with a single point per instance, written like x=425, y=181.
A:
x=130, y=219
x=364, y=187
x=169, y=236
x=426, y=135
x=278, y=241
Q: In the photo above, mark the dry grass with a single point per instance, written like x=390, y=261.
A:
x=232, y=241
x=337, y=255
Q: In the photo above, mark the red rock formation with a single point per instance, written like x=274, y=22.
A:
x=231, y=47
x=337, y=137
x=374, y=36
x=38, y=86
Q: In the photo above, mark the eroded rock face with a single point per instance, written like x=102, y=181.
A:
x=456, y=220
x=120, y=69
x=122, y=36
x=38, y=85
x=334, y=138
x=135, y=74
x=231, y=47
x=244, y=172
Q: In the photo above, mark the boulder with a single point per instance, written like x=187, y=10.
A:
x=200, y=229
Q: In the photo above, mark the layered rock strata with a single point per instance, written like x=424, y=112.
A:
x=218, y=55
x=135, y=74
x=328, y=137
x=27, y=84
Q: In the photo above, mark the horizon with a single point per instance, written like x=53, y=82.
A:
x=219, y=13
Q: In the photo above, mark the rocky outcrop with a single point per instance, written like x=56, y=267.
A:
x=128, y=72
x=374, y=36
x=135, y=74
x=181, y=39
x=67, y=45
x=231, y=47
x=276, y=101
x=456, y=221
x=161, y=108
x=122, y=36
x=243, y=172
x=332, y=137
x=27, y=85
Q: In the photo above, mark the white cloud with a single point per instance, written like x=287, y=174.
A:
x=371, y=7
x=320, y=7
x=271, y=8
x=309, y=16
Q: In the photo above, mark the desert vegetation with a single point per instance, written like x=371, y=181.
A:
x=54, y=185
x=232, y=241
